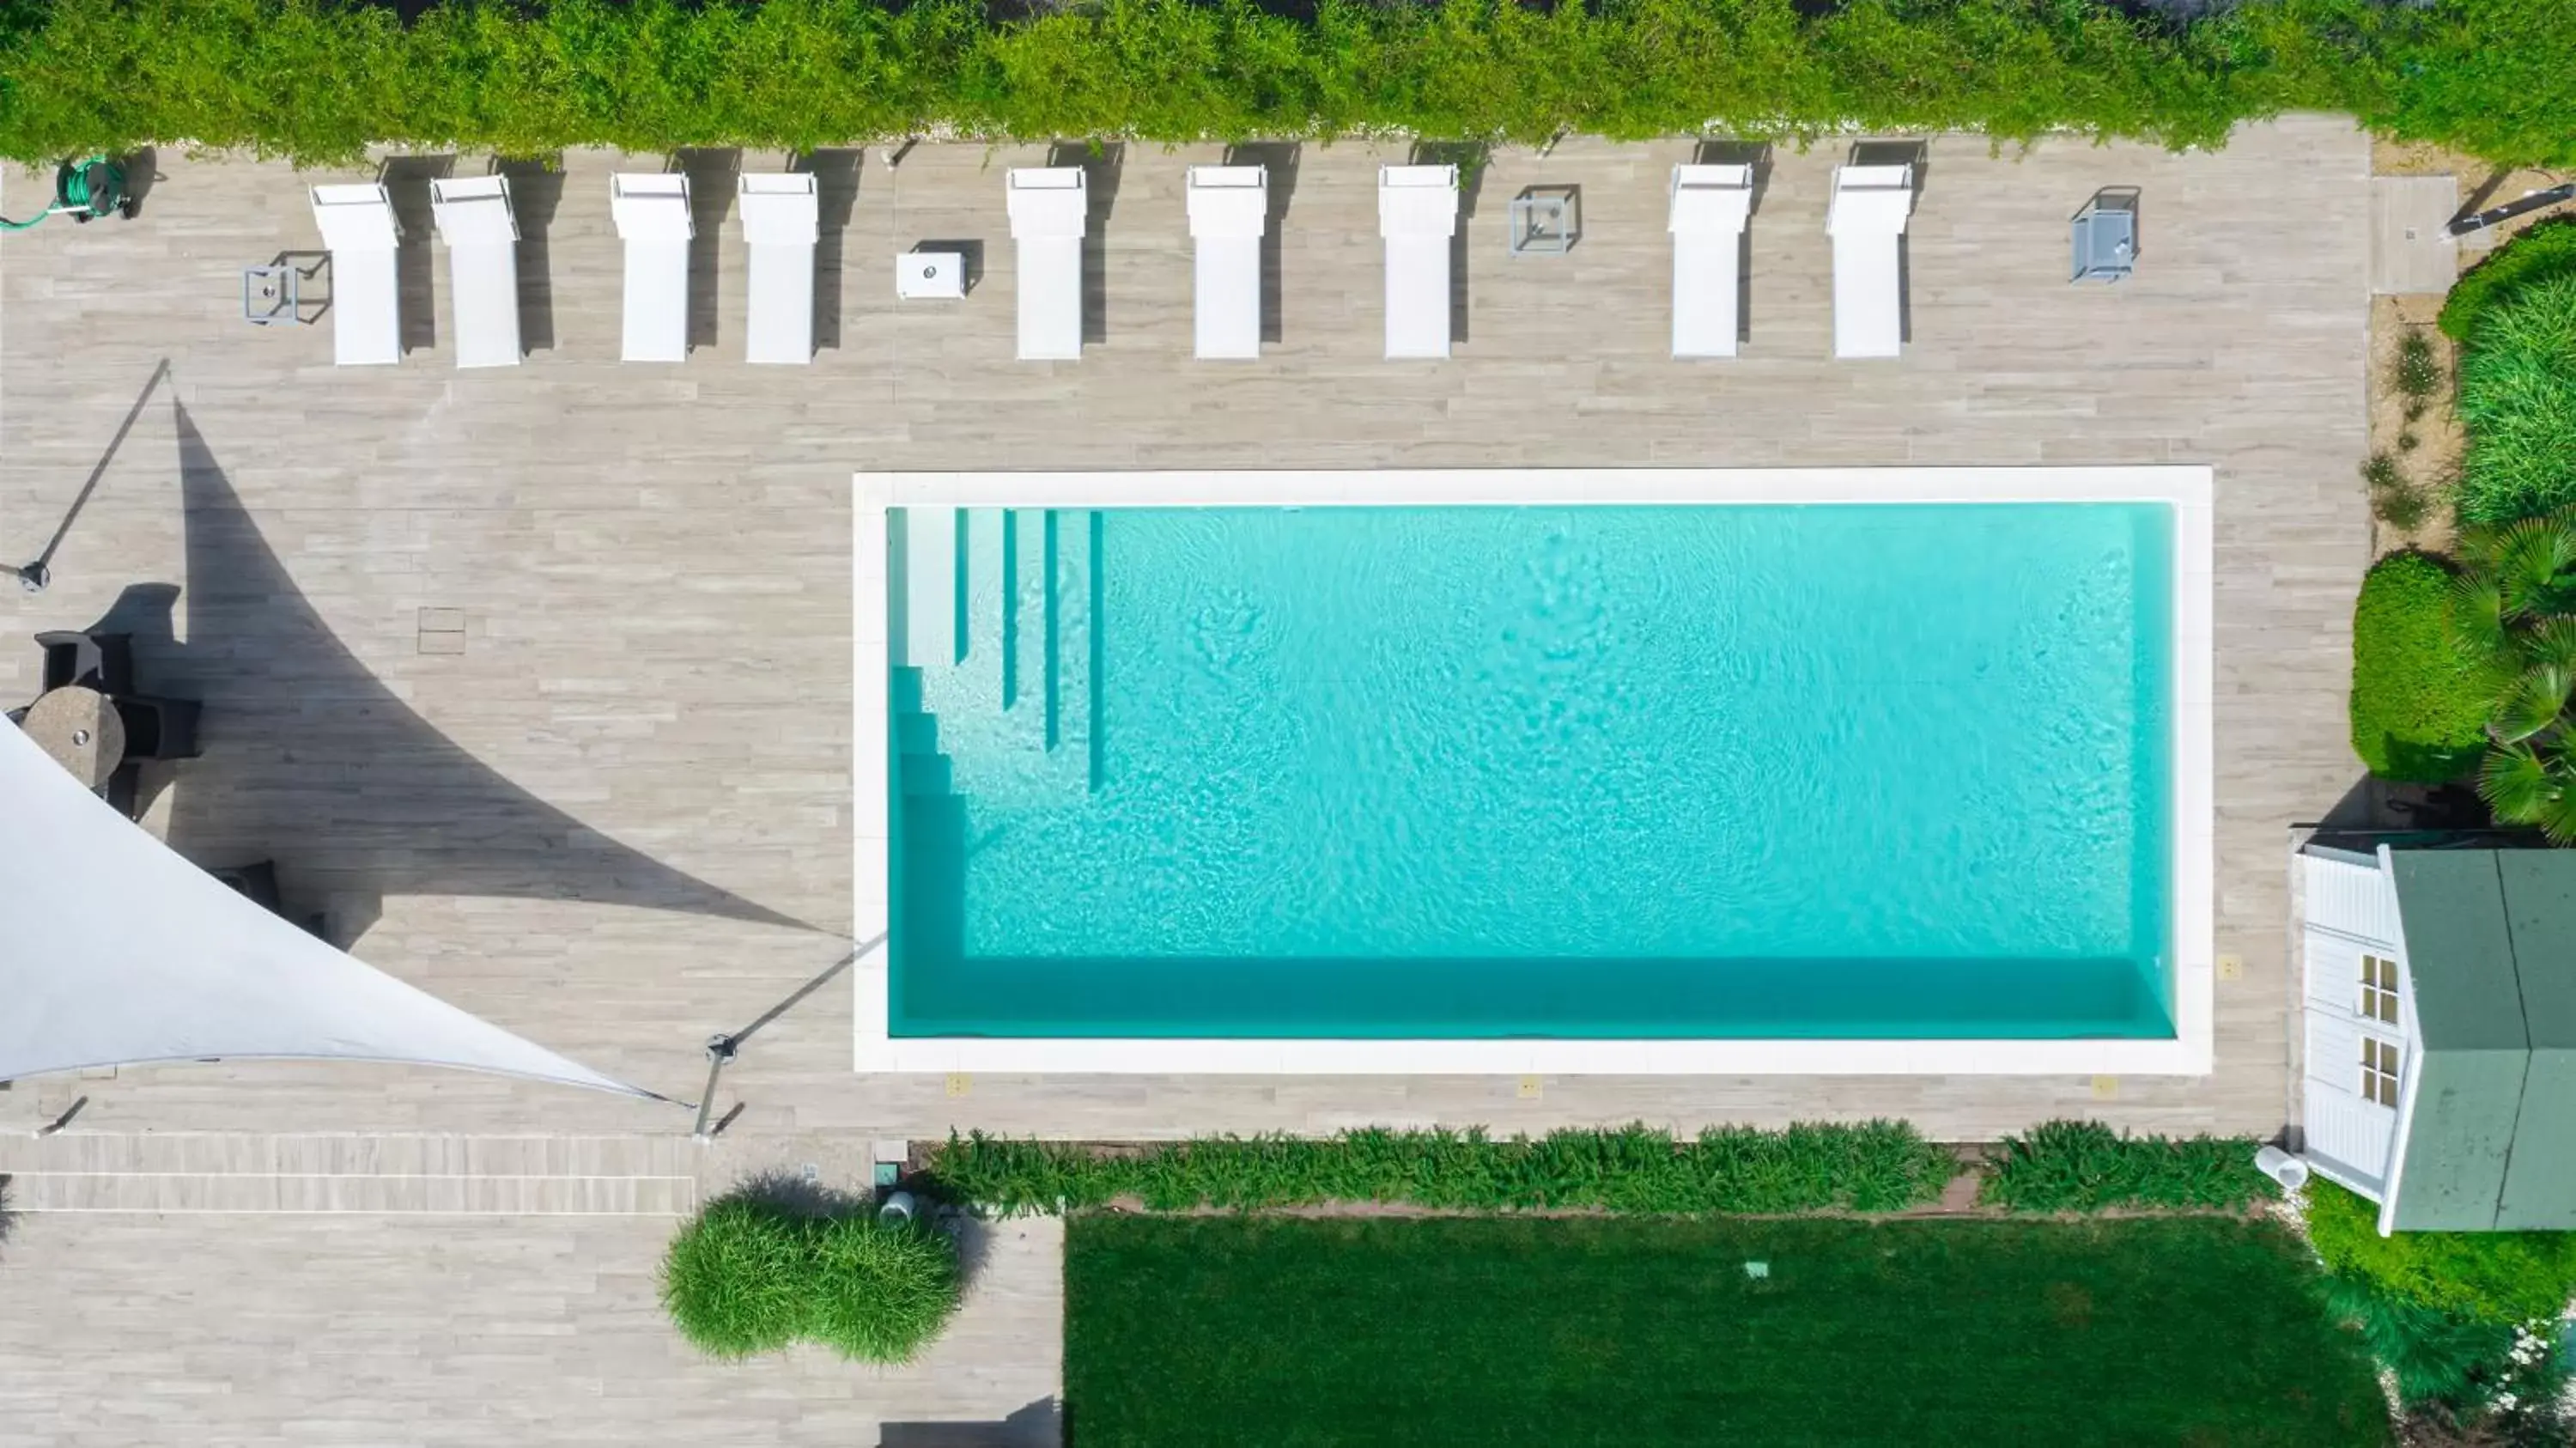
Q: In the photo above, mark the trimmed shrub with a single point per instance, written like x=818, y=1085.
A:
x=2499, y=1278
x=1881, y=1166
x=2518, y=403
x=318, y=79
x=2419, y=707
x=2084, y=1166
x=2545, y=250
x=751, y=1275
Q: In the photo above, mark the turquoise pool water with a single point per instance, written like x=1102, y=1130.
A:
x=1672, y=772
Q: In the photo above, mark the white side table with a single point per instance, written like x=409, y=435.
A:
x=938, y=275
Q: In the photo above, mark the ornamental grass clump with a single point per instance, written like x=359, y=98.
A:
x=2084, y=1166
x=2418, y=373
x=2545, y=251
x=2518, y=404
x=750, y=1274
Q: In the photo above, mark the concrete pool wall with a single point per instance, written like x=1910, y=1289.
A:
x=2190, y=912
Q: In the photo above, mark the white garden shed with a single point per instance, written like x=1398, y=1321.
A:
x=2438, y=1011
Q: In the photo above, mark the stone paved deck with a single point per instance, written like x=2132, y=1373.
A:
x=127, y=1331
x=646, y=570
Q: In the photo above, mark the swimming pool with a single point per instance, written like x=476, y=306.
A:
x=1591, y=773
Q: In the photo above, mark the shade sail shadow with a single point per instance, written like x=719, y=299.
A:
x=311, y=761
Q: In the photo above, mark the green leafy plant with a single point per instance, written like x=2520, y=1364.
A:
x=2395, y=499
x=2084, y=1166
x=2518, y=404
x=1876, y=1167
x=2418, y=372
x=321, y=80
x=2512, y=615
x=2543, y=252
x=2419, y=705
x=2500, y=1278
x=752, y=1274
x=2437, y=1356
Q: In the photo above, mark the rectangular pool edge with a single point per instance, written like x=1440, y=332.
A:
x=2189, y=489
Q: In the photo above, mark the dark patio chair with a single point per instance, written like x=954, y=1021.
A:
x=159, y=728
x=124, y=791
x=256, y=882
x=70, y=658
x=104, y=662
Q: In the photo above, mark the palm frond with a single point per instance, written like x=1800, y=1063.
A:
x=2530, y=560
x=2475, y=619
x=2517, y=784
x=2550, y=642
x=2557, y=818
x=2533, y=703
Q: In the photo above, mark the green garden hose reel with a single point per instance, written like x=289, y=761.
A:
x=84, y=190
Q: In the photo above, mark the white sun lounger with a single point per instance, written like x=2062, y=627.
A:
x=1417, y=214
x=357, y=223
x=781, y=220
x=473, y=216
x=1866, y=217
x=1050, y=209
x=652, y=215
x=1710, y=207
x=1229, y=211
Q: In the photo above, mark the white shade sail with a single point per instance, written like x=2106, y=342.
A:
x=119, y=952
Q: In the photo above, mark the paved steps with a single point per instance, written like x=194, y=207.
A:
x=248, y=1172
x=997, y=613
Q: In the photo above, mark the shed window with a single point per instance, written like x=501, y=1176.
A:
x=2378, y=989
x=2379, y=1062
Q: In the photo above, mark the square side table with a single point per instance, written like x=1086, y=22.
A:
x=930, y=275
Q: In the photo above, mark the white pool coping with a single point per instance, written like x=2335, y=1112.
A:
x=2194, y=875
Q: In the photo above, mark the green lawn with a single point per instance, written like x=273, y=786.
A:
x=1630, y=1331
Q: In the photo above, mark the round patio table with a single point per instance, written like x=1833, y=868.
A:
x=79, y=727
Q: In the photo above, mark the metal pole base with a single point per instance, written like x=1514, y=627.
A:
x=720, y=1049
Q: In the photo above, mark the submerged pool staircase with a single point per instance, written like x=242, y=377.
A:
x=991, y=637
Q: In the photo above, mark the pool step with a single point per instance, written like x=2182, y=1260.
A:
x=997, y=606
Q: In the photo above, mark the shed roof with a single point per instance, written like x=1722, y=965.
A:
x=2491, y=952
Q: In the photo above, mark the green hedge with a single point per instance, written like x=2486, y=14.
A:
x=750, y=1275
x=2419, y=709
x=2518, y=404
x=2499, y=1278
x=1878, y=1167
x=2084, y=1166
x=319, y=79
x=2547, y=249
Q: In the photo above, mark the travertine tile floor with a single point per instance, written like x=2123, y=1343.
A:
x=647, y=571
